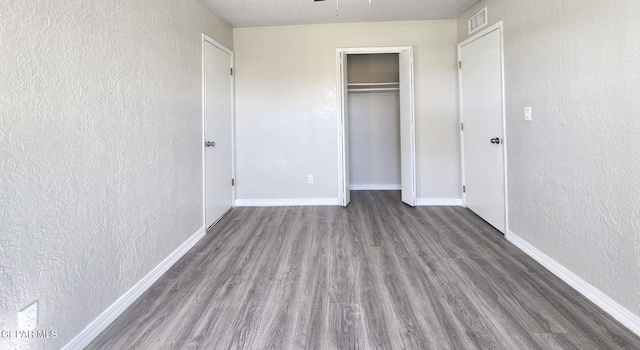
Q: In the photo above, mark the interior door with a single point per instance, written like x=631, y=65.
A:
x=482, y=117
x=218, y=133
x=407, y=129
x=344, y=105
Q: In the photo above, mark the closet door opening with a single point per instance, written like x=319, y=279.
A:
x=376, y=121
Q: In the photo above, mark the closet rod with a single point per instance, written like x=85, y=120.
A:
x=373, y=89
x=372, y=84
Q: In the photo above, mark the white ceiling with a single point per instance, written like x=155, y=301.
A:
x=255, y=13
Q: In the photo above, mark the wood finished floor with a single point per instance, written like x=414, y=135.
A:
x=375, y=275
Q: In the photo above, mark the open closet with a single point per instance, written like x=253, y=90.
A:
x=377, y=122
x=374, y=121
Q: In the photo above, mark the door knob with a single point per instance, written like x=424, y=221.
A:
x=209, y=144
x=496, y=141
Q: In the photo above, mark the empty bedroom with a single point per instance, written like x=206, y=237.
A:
x=330, y=174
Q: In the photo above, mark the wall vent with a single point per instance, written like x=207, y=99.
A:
x=478, y=20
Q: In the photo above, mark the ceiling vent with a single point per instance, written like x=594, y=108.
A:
x=478, y=20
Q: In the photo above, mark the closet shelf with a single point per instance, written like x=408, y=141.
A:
x=367, y=87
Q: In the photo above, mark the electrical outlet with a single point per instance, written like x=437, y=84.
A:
x=28, y=317
x=310, y=179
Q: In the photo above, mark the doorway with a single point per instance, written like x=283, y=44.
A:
x=482, y=119
x=374, y=122
x=402, y=82
x=218, y=151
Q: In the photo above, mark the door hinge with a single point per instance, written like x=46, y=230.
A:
x=462, y=126
x=464, y=189
x=459, y=64
x=231, y=71
x=233, y=182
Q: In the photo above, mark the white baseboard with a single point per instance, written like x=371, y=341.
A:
x=296, y=202
x=439, y=202
x=375, y=187
x=112, y=312
x=283, y=202
x=617, y=311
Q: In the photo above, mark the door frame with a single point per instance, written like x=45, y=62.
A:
x=206, y=39
x=496, y=27
x=342, y=133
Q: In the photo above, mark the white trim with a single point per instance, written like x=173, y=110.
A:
x=499, y=27
x=505, y=139
x=460, y=130
x=439, y=202
x=343, y=191
x=412, y=121
x=373, y=50
x=233, y=128
x=212, y=41
x=375, y=187
x=342, y=134
x=286, y=202
x=207, y=39
x=98, y=325
x=603, y=301
x=204, y=137
x=482, y=33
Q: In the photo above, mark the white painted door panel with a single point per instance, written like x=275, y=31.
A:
x=407, y=129
x=218, y=129
x=345, y=129
x=481, y=93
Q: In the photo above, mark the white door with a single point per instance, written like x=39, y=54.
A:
x=344, y=105
x=482, y=118
x=218, y=133
x=407, y=129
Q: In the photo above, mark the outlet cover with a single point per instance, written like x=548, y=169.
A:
x=28, y=317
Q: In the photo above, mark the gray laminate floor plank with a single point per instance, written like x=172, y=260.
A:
x=377, y=274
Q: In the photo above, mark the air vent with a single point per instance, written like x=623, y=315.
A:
x=478, y=20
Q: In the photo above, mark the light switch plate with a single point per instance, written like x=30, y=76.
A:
x=527, y=113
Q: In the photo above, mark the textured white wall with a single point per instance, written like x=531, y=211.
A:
x=374, y=138
x=286, y=119
x=100, y=157
x=573, y=181
x=373, y=68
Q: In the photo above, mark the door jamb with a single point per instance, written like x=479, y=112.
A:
x=342, y=137
x=206, y=39
x=499, y=27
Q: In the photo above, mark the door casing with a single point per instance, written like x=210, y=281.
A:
x=343, y=158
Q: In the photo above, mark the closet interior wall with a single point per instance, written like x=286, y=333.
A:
x=374, y=121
